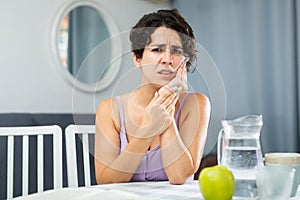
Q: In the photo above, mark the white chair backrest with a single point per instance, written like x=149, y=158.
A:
x=40, y=132
x=71, y=150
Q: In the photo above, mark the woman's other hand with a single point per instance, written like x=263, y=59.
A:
x=160, y=112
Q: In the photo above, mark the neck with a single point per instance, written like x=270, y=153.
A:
x=143, y=95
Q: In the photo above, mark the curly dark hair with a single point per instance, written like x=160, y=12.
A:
x=140, y=34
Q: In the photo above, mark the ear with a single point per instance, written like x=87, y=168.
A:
x=137, y=61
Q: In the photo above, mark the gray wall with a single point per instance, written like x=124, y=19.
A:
x=255, y=44
x=30, y=79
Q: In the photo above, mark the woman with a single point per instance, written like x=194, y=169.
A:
x=158, y=131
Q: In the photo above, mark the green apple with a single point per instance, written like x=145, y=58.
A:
x=216, y=183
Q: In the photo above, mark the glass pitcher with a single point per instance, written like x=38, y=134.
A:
x=239, y=150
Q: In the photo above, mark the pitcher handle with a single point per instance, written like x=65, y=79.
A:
x=219, y=150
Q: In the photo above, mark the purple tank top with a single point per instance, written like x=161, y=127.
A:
x=151, y=167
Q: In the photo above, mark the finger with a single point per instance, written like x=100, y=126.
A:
x=172, y=101
x=171, y=111
x=166, y=91
x=162, y=96
x=184, y=71
x=181, y=64
x=169, y=100
x=179, y=89
x=179, y=71
x=184, y=77
x=171, y=107
x=185, y=62
x=154, y=99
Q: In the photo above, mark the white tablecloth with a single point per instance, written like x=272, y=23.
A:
x=124, y=191
x=162, y=190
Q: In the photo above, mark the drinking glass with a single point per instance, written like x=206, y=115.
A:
x=274, y=183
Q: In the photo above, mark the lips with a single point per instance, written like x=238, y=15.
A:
x=165, y=72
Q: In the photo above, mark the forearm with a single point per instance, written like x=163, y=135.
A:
x=126, y=163
x=176, y=157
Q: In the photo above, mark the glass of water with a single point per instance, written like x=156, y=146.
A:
x=274, y=183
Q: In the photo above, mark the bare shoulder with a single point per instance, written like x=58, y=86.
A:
x=196, y=110
x=106, y=106
x=107, y=111
x=198, y=100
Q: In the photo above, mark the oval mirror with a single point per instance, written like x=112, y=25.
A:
x=87, y=46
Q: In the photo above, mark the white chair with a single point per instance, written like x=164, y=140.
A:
x=40, y=132
x=83, y=131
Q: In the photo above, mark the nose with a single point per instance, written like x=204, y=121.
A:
x=167, y=58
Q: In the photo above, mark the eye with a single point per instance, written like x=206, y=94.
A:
x=157, y=50
x=177, y=51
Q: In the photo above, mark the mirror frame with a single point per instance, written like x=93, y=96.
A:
x=116, y=49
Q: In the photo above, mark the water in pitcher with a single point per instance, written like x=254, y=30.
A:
x=243, y=162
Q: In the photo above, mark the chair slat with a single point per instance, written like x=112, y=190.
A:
x=86, y=159
x=10, y=166
x=40, y=163
x=57, y=158
x=25, y=165
x=71, y=157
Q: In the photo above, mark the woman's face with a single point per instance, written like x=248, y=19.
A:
x=161, y=58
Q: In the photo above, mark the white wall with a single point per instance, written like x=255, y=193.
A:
x=30, y=80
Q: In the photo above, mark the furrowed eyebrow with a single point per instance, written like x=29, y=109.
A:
x=157, y=45
x=163, y=45
x=177, y=47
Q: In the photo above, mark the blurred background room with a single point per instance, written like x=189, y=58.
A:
x=248, y=61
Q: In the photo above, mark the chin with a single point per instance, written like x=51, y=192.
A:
x=160, y=84
x=163, y=83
